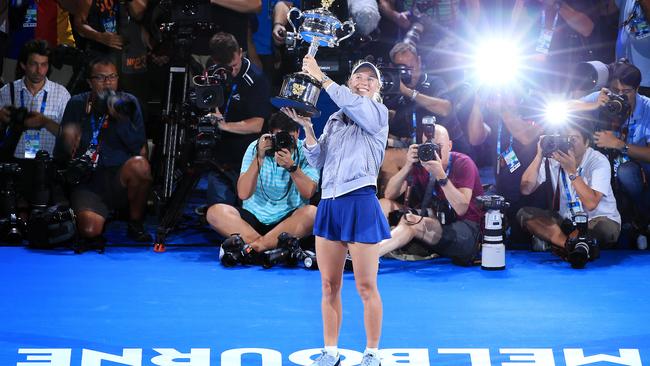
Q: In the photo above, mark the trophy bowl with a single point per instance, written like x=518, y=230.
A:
x=300, y=92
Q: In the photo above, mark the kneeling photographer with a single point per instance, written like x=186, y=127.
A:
x=580, y=183
x=103, y=134
x=443, y=187
x=625, y=137
x=275, y=185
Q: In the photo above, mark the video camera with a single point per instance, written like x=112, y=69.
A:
x=17, y=115
x=581, y=248
x=553, y=143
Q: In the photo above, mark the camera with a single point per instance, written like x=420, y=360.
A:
x=12, y=227
x=553, y=143
x=392, y=76
x=233, y=250
x=617, y=107
x=279, y=141
x=427, y=151
x=17, y=115
x=207, y=136
x=445, y=214
x=581, y=248
x=493, y=249
x=78, y=170
x=289, y=252
x=120, y=102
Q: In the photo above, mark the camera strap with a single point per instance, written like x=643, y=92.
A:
x=430, y=192
x=572, y=204
x=414, y=125
x=12, y=91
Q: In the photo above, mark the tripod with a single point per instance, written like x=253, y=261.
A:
x=182, y=161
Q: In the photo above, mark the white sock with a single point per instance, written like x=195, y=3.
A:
x=332, y=350
x=373, y=351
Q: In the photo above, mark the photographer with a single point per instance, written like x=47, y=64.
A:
x=626, y=137
x=504, y=141
x=453, y=179
x=275, y=185
x=32, y=108
x=105, y=130
x=240, y=119
x=421, y=94
x=580, y=181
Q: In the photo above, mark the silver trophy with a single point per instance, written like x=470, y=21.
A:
x=319, y=26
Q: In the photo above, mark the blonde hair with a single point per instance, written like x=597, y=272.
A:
x=363, y=63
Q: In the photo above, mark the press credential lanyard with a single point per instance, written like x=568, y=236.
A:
x=570, y=202
x=32, y=137
x=546, y=35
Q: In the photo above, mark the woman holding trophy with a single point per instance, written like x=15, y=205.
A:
x=349, y=217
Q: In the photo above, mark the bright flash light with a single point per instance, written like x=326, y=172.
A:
x=556, y=112
x=497, y=62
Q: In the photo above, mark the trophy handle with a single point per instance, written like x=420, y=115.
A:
x=293, y=26
x=351, y=24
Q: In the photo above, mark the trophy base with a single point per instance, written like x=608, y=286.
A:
x=301, y=107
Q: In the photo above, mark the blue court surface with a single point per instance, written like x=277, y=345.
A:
x=131, y=306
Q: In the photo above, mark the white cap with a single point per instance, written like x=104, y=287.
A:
x=370, y=65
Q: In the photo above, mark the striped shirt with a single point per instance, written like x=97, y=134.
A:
x=57, y=98
x=276, y=195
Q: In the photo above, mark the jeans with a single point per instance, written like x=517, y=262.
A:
x=630, y=179
x=222, y=187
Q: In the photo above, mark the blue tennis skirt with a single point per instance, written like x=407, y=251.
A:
x=353, y=217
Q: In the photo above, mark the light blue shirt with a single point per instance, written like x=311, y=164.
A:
x=276, y=195
x=635, y=50
x=638, y=124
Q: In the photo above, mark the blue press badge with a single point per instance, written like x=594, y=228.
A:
x=511, y=159
x=110, y=25
x=639, y=23
x=32, y=143
x=30, y=17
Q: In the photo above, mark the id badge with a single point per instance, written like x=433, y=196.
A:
x=32, y=143
x=544, y=41
x=93, y=154
x=641, y=29
x=30, y=17
x=511, y=159
x=110, y=25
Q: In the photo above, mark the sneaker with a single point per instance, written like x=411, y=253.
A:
x=370, y=359
x=326, y=360
x=136, y=231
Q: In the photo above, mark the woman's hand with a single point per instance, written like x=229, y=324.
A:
x=303, y=121
x=310, y=67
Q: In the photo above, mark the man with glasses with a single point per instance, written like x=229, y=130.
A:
x=580, y=180
x=440, y=189
x=629, y=144
x=106, y=129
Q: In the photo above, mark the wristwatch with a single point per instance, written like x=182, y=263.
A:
x=572, y=177
x=625, y=149
x=292, y=168
x=324, y=79
x=443, y=181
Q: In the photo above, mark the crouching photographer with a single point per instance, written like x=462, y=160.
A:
x=580, y=183
x=275, y=185
x=625, y=137
x=440, y=211
x=103, y=140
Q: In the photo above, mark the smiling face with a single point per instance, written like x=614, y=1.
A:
x=364, y=82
